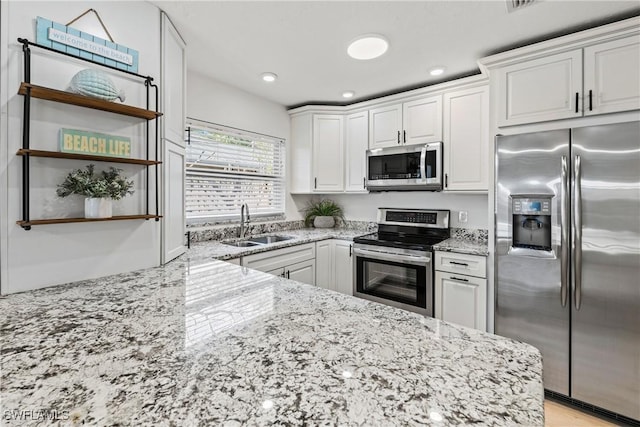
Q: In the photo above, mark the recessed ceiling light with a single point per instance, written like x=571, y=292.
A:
x=348, y=94
x=269, y=77
x=368, y=47
x=436, y=71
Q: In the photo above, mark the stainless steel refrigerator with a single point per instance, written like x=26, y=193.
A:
x=567, y=258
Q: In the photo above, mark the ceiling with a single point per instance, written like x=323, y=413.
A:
x=305, y=42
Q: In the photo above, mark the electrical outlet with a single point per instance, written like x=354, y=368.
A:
x=463, y=216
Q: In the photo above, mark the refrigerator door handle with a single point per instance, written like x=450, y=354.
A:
x=577, y=233
x=564, y=233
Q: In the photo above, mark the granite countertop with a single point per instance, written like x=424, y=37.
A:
x=210, y=343
x=463, y=246
x=214, y=249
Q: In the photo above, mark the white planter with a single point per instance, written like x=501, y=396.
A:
x=324, y=222
x=97, y=207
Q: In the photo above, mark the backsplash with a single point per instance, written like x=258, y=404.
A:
x=200, y=234
x=479, y=235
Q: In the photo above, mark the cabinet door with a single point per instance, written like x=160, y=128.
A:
x=461, y=299
x=328, y=149
x=422, y=120
x=466, y=139
x=324, y=276
x=385, y=126
x=304, y=272
x=173, y=85
x=541, y=90
x=611, y=81
x=357, y=142
x=277, y=258
x=343, y=266
x=301, y=154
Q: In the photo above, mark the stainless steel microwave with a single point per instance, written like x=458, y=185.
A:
x=410, y=167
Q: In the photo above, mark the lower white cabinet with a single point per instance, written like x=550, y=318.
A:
x=460, y=291
x=295, y=262
x=334, y=265
x=235, y=261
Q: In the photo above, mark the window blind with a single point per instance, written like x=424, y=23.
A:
x=226, y=167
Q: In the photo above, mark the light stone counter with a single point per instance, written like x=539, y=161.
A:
x=213, y=249
x=210, y=343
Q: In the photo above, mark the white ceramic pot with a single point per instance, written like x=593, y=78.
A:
x=324, y=222
x=97, y=207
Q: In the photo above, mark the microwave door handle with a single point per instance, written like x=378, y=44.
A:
x=406, y=259
x=423, y=159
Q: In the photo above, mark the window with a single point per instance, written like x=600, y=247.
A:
x=226, y=167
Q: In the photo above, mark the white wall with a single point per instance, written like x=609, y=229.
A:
x=216, y=102
x=363, y=207
x=53, y=254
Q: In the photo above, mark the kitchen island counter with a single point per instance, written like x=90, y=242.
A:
x=211, y=343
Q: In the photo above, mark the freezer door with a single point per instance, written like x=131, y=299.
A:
x=529, y=292
x=606, y=305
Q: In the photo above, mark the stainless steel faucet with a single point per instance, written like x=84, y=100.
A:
x=244, y=222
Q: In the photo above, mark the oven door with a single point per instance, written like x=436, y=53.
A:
x=401, y=279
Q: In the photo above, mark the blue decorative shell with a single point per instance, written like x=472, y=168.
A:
x=95, y=84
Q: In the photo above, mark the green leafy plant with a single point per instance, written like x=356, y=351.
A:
x=324, y=207
x=85, y=182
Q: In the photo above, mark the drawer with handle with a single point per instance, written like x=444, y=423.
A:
x=471, y=265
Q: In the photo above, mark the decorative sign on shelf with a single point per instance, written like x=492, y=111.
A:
x=99, y=144
x=84, y=45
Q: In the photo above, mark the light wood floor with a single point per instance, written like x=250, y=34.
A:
x=559, y=415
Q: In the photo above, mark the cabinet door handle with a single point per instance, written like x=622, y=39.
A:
x=350, y=250
x=446, y=180
x=590, y=100
x=288, y=274
x=315, y=182
x=459, y=263
x=364, y=182
x=404, y=136
x=459, y=279
x=576, y=102
x=398, y=137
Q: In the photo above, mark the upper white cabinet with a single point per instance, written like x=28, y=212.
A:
x=611, y=76
x=544, y=89
x=356, y=143
x=552, y=87
x=413, y=122
x=301, y=154
x=328, y=152
x=466, y=139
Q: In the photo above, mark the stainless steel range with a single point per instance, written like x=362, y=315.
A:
x=394, y=266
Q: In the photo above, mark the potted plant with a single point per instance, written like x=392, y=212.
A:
x=322, y=213
x=99, y=189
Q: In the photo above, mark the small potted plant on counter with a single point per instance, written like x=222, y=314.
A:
x=322, y=214
x=99, y=189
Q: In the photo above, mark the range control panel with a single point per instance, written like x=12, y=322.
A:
x=412, y=217
x=531, y=206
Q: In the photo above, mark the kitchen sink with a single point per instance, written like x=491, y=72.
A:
x=242, y=244
x=269, y=239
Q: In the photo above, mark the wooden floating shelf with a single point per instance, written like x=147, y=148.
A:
x=84, y=101
x=61, y=155
x=67, y=220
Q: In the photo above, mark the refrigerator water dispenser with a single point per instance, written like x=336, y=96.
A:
x=531, y=222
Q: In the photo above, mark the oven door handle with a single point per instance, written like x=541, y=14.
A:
x=406, y=259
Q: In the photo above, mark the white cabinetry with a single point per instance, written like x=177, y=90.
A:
x=611, y=76
x=301, y=154
x=413, y=122
x=466, y=139
x=461, y=289
x=356, y=144
x=552, y=87
x=334, y=265
x=295, y=262
x=328, y=157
